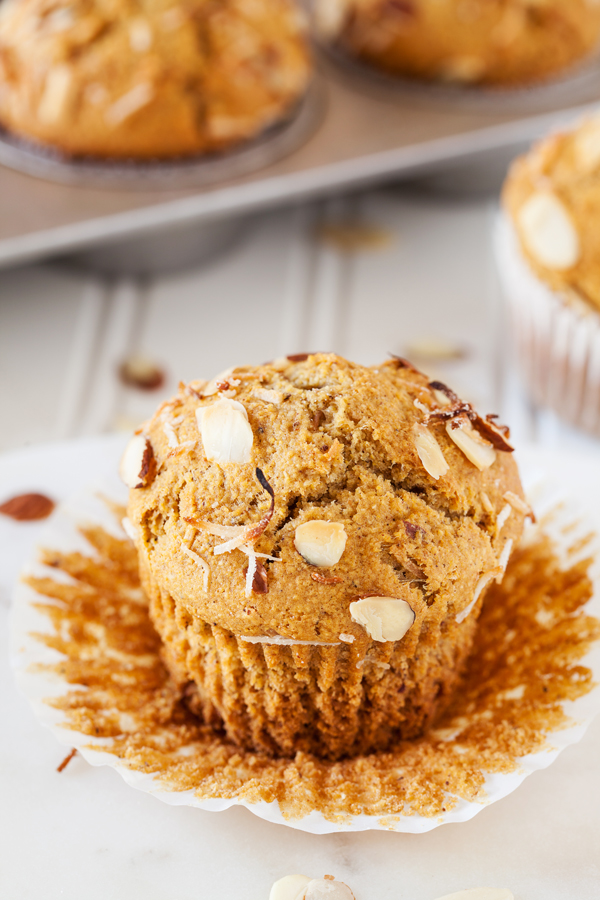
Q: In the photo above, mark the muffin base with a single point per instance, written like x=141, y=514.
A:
x=331, y=701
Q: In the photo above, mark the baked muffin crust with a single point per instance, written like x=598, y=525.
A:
x=350, y=644
x=496, y=42
x=148, y=78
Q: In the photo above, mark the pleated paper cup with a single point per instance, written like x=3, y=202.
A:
x=557, y=337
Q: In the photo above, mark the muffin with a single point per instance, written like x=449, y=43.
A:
x=493, y=42
x=315, y=539
x=549, y=261
x=148, y=79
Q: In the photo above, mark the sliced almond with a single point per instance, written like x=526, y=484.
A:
x=268, y=396
x=503, y=559
x=226, y=433
x=347, y=638
x=586, y=143
x=320, y=543
x=480, y=894
x=290, y=887
x=128, y=104
x=56, y=97
x=138, y=466
x=129, y=528
x=475, y=448
x=481, y=584
x=548, y=231
x=326, y=889
x=140, y=35
x=502, y=517
x=430, y=452
x=384, y=618
x=517, y=503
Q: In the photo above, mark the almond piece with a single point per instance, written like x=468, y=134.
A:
x=320, y=543
x=481, y=584
x=28, y=507
x=430, y=452
x=476, y=449
x=55, y=100
x=226, y=433
x=548, y=231
x=138, y=465
x=326, y=889
x=384, y=618
x=128, y=104
x=290, y=887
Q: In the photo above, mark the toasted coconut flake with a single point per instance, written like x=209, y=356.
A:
x=481, y=584
x=268, y=396
x=138, y=465
x=129, y=528
x=325, y=579
x=430, y=452
x=502, y=517
x=285, y=642
x=226, y=433
x=239, y=535
x=347, y=638
x=383, y=618
x=171, y=436
x=517, y=503
x=320, y=543
x=444, y=395
x=199, y=561
x=475, y=448
x=503, y=559
x=251, y=570
x=486, y=503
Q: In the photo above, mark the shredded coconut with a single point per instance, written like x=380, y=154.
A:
x=201, y=562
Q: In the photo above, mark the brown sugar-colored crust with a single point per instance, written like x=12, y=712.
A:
x=565, y=166
x=335, y=441
x=148, y=78
x=531, y=638
x=494, y=42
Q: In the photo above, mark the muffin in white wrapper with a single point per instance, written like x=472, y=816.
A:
x=557, y=336
x=184, y=766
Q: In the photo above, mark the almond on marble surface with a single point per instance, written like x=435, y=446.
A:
x=28, y=507
x=290, y=887
x=320, y=543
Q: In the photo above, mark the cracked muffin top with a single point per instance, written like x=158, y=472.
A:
x=148, y=78
x=282, y=500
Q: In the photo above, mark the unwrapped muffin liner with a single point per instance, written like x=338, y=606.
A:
x=557, y=339
x=39, y=686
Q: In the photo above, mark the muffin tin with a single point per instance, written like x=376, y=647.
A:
x=354, y=127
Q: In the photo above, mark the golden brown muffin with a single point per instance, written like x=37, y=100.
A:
x=495, y=42
x=552, y=196
x=148, y=78
x=315, y=538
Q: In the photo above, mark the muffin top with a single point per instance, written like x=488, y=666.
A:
x=499, y=42
x=273, y=499
x=552, y=195
x=148, y=78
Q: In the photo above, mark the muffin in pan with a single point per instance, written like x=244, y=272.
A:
x=488, y=42
x=148, y=79
x=548, y=246
x=316, y=538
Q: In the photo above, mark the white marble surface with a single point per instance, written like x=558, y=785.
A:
x=85, y=833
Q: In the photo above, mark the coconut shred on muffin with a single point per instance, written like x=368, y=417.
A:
x=316, y=539
x=148, y=79
x=495, y=42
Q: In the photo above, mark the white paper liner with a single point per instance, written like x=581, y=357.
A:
x=558, y=342
x=62, y=533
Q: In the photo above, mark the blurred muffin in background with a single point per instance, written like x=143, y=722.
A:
x=548, y=247
x=494, y=42
x=148, y=78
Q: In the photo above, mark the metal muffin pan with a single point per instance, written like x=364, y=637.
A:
x=353, y=128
